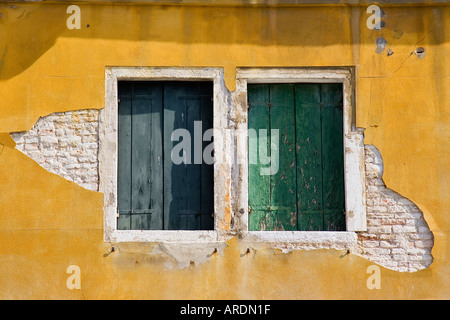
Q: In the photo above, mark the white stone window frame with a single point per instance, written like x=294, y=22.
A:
x=108, y=145
x=354, y=168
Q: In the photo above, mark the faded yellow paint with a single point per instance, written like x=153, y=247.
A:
x=49, y=223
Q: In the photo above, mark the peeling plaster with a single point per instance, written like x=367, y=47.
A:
x=65, y=143
x=191, y=254
x=381, y=44
x=166, y=254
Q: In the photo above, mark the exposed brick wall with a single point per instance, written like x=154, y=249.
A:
x=397, y=235
x=65, y=144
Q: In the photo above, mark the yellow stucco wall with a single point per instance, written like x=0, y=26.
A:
x=48, y=223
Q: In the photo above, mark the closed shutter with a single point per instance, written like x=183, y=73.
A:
x=188, y=188
x=307, y=192
x=139, y=188
x=153, y=192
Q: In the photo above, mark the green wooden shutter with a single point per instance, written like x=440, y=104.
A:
x=282, y=183
x=153, y=192
x=307, y=192
x=259, y=185
x=309, y=157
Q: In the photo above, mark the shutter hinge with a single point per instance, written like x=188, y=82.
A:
x=118, y=100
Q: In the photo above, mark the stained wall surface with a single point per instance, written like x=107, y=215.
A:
x=49, y=223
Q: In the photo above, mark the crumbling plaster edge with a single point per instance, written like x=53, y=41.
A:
x=193, y=248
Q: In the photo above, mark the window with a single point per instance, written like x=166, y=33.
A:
x=150, y=118
x=163, y=183
x=290, y=99
x=306, y=191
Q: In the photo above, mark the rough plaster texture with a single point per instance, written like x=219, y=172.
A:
x=397, y=235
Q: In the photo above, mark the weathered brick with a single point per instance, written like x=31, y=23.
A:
x=65, y=144
x=404, y=229
x=379, y=230
x=424, y=243
x=393, y=221
x=371, y=244
x=388, y=244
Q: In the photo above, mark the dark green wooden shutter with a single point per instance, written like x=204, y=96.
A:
x=124, y=157
x=333, y=196
x=307, y=192
x=153, y=192
x=189, y=191
x=140, y=156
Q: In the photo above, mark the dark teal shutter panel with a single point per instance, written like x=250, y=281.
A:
x=333, y=196
x=153, y=192
x=140, y=156
x=307, y=192
x=189, y=190
x=124, y=157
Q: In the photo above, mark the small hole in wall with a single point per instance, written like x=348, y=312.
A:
x=420, y=52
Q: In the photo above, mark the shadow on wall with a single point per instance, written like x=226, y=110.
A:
x=29, y=30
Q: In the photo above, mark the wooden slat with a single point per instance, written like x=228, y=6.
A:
x=140, y=161
x=193, y=185
x=124, y=156
x=207, y=170
x=174, y=175
x=333, y=157
x=309, y=157
x=156, y=159
x=258, y=185
x=282, y=183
